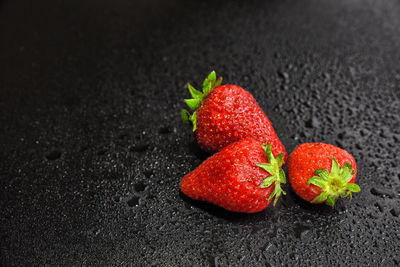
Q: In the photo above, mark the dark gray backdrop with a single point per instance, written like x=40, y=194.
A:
x=92, y=148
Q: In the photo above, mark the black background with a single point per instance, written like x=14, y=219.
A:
x=92, y=147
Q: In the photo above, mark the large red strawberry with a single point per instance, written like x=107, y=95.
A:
x=321, y=172
x=225, y=114
x=242, y=177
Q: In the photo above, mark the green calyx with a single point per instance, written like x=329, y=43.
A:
x=194, y=103
x=334, y=184
x=277, y=174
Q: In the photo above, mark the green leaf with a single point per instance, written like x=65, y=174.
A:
x=321, y=198
x=351, y=196
x=264, y=146
x=209, y=83
x=273, y=194
x=268, y=182
x=207, y=88
x=335, y=167
x=195, y=93
x=324, y=174
x=353, y=187
x=330, y=202
x=345, y=193
x=267, y=167
x=193, y=103
x=193, y=118
x=270, y=156
x=346, y=172
x=347, y=165
x=277, y=174
x=189, y=119
x=217, y=82
x=315, y=180
x=185, y=115
x=210, y=78
x=282, y=176
x=279, y=159
x=277, y=195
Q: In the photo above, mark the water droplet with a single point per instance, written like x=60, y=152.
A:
x=96, y=231
x=271, y=248
x=165, y=130
x=312, y=123
x=139, y=147
x=341, y=135
x=53, y=155
x=352, y=71
x=301, y=231
x=93, y=232
x=380, y=206
x=283, y=75
x=381, y=192
x=123, y=136
x=102, y=151
x=148, y=173
x=140, y=186
x=294, y=256
x=214, y=261
x=133, y=201
x=83, y=148
x=395, y=211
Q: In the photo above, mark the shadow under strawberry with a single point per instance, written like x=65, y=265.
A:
x=317, y=209
x=236, y=217
x=195, y=149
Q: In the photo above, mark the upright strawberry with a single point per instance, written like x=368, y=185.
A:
x=242, y=177
x=321, y=172
x=224, y=114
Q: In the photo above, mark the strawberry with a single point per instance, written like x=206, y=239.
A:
x=321, y=172
x=224, y=114
x=242, y=177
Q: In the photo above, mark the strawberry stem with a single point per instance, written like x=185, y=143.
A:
x=335, y=184
x=277, y=175
x=194, y=103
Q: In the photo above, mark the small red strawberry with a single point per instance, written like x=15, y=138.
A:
x=225, y=114
x=242, y=177
x=322, y=173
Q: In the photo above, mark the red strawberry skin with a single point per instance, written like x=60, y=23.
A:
x=308, y=157
x=230, y=113
x=231, y=179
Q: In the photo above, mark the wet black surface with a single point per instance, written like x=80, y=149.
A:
x=92, y=148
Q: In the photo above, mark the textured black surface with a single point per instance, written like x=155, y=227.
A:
x=92, y=147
